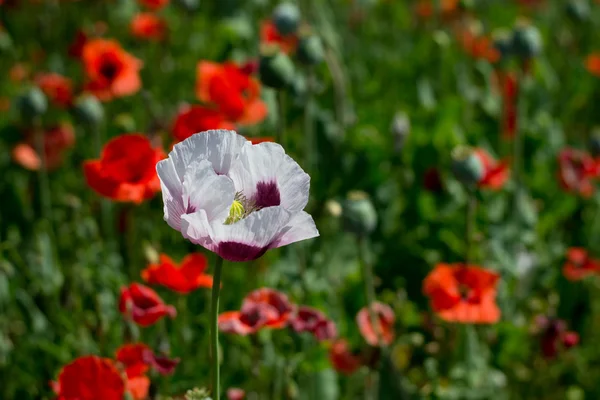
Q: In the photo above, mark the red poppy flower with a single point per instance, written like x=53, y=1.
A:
x=342, y=359
x=235, y=93
x=126, y=170
x=579, y=264
x=308, y=319
x=111, y=71
x=577, y=170
x=138, y=387
x=148, y=26
x=58, y=88
x=463, y=293
x=154, y=4
x=246, y=322
x=263, y=139
x=270, y=34
x=143, y=305
x=270, y=299
x=236, y=394
x=495, y=174
x=182, y=279
x=478, y=46
x=592, y=64
x=385, y=321
x=555, y=337
x=194, y=119
x=90, y=378
x=76, y=46
x=138, y=358
x=57, y=140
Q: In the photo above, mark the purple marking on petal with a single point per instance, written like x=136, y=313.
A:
x=235, y=251
x=267, y=194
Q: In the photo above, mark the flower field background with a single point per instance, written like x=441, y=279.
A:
x=453, y=154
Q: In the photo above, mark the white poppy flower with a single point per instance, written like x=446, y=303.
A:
x=235, y=198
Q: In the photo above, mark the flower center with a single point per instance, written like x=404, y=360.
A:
x=236, y=212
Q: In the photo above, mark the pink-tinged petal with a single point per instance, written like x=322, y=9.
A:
x=172, y=193
x=266, y=168
x=300, y=227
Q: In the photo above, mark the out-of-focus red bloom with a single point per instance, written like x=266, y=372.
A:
x=383, y=333
x=194, y=119
x=137, y=359
x=19, y=72
x=262, y=139
x=236, y=394
x=148, y=26
x=273, y=300
x=270, y=34
x=90, y=378
x=154, y=4
x=426, y=8
x=579, y=264
x=138, y=387
x=111, y=71
x=495, y=174
x=57, y=140
x=76, y=46
x=432, y=181
x=342, y=359
x=143, y=305
x=555, y=336
x=185, y=278
x=58, y=88
x=250, y=67
x=592, y=64
x=478, y=46
x=233, y=92
x=577, y=170
x=308, y=319
x=463, y=293
x=126, y=170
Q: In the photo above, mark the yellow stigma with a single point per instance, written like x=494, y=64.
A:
x=236, y=212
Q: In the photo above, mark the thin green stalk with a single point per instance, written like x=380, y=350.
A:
x=214, y=329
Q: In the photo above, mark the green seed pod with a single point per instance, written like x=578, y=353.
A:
x=275, y=68
x=286, y=18
x=466, y=166
x=88, y=110
x=578, y=10
x=310, y=50
x=526, y=40
x=358, y=213
x=32, y=103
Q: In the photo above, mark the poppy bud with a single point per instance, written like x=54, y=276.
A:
x=197, y=394
x=358, y=213
x=310, y=50
x=466, y=166
x=32, y=103
x=89, y=110
x=526, y=41
x=286, y=18
x=595, y=143
x=400, y=129
x=275, y=67
x=502, y=41
x=578, y=10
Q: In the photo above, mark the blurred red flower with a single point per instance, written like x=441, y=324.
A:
x=579, y=264
x=577, y=169
x=495, y=174
x=478, y=45
x=592, y=64
x=58, y=88
x=270, y=34
x=555, y=336
x=154, y=4
x=90, y=378
x=233, y=92
x=143, y=305
x=384, y=332
x=342, y=359
x=194, y=119
x=308, y=319
x=138, y=358
x=148, y=26
x=76, y=46
x=274, y=300
x=57, y=140
x=111, y=71
x=126, y=170
x=257, y=140
x=182, y=278
x=463, y=293
x=236, y=394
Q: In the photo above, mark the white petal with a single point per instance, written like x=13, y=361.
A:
x=300, y=227
x=196, y=228
x=204, y=190
x=172, y=190
x=220, y=147
x=257, y=229
x=266, y=163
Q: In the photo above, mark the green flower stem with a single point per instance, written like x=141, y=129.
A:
x=214, y=329
x=470, y=226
